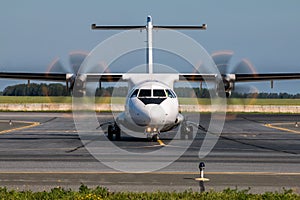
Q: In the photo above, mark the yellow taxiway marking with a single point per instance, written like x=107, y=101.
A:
x=277, y=126
x=32, y=124
x=161, y=143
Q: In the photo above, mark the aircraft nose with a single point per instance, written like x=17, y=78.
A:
x=141, y=118
x=152, y=115
x=157, y=115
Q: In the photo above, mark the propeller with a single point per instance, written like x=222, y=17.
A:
x=222, y=61
x=75, y=60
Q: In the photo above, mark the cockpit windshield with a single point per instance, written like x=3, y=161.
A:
x=159, y=93
x=155, y=93
x=171, y=94
x=145, y=93
x=135, y=93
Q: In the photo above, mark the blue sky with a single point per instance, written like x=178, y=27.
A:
x=34, y=33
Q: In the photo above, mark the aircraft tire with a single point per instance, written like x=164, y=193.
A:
x=110, y=132
x=190, y=133
x=118, y=135
x=182, y=132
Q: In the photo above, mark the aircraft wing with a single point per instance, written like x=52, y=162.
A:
x=265, y=77
x=197, y=77
x=113, y=77
x=105, y=77
x=240, y=77
x=34, y=76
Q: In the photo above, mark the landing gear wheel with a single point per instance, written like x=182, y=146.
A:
x=186, y=130
x=182, y=132
x=114, y=130
x=182, y=135
x=118, y=134
x=110, y=132
x=190, y=133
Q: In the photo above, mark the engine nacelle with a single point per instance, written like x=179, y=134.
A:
x=79, y=87
x=225, y=87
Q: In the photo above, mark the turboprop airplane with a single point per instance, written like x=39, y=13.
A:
x=151, y=105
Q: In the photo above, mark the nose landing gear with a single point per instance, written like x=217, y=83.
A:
x=152, y=134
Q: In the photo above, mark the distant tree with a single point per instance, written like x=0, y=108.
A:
x=35, y=89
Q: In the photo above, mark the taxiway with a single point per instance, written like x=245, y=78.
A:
x=256, y=151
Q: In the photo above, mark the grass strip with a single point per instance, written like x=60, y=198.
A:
x=99, y=193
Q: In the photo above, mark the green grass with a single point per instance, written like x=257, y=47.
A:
x=34, y=99
x=39, y=99
x=288, y=102
x=85, y=193
x=121, y=100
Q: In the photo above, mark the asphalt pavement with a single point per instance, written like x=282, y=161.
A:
x=256, y=151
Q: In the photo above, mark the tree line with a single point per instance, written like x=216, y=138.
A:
x=265, y=95
x=34, y=89
x=57, y=89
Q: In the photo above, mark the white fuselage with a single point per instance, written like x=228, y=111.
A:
x=151, y=106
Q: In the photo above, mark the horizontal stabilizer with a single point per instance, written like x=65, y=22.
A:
x=94, y=27
x=97, y=27
x=202, y=27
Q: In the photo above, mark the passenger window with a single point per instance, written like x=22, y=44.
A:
x=134, y=94
x=159, y=93
x=170, y=94
x=145, y=93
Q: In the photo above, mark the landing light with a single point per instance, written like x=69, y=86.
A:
x=148, y=129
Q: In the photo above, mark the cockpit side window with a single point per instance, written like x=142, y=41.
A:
x=135, y=93
x=170, y=93
x=145, y=93
x=159, y=93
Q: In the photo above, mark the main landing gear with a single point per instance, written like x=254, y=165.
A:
x=186, y=130
x=114, y=130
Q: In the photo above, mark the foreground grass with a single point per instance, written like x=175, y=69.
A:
x=121, y=100
x=85, y=193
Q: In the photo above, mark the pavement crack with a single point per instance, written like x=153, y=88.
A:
x=251, y=120
x=49, y=120
x=79, y=147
